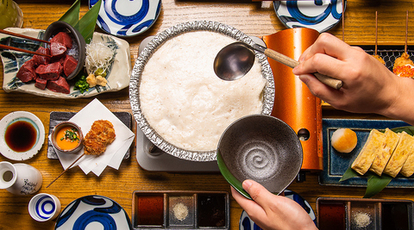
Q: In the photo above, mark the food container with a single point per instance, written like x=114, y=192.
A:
x=356, y=213
x=180, y=210
x=67, y=137
x=144, y=56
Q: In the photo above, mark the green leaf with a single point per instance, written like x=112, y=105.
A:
x=349, y=173
x=72, y=15
x=87, y=23
x=376, y=184
x=407, y=129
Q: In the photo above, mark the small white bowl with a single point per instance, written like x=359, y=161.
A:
x=43, y=207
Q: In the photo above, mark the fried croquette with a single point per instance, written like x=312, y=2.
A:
x=102, y=133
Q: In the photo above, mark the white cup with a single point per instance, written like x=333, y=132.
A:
x=44, y=207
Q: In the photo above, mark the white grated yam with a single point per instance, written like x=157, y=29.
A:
x=98, y=56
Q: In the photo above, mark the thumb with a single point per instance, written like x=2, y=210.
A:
x=257, y=192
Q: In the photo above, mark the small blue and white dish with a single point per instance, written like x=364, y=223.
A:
x=43, y=207
x=320, y=15
x=126, y=18
x=93, y=212
x=246, y=223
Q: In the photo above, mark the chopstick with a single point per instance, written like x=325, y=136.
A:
x=22, y=36
x=22, y=50
x=53, y=181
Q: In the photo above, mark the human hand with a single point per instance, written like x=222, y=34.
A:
x=270, y=211
x=368, y=86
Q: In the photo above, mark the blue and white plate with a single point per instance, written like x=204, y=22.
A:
x=320, y=15
x=127, y=17
x=93, y=212
x=246, y=223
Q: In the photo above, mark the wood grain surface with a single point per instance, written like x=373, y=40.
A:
x=253, y=18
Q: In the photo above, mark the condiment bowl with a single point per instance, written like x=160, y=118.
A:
x=78, y=42
x=64, y=144
x=262, y=148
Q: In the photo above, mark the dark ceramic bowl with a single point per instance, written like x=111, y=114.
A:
x=262, y=148
x=55, y=132
x=77, y=40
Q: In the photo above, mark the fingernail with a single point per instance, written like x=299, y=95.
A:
x=247, y=184
x=294, y=70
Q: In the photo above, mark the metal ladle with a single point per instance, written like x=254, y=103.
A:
x=236, y=59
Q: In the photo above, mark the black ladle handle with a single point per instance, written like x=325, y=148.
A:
x=329, y=81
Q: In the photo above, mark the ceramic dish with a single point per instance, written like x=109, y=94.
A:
x=146, y=54
x=93, y=212
x=320, y=15
x=262, y=148
x=368, y=214
x=180, y=210
x=39, y=135
x=246, y=223
x=335, y=164
x=127, y=18
x=118, y=76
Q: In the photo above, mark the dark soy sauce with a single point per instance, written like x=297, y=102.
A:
x=395, y=216
x=20, y=136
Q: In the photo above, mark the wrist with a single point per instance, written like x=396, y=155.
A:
x=401, y=104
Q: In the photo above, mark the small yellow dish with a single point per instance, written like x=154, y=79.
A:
x=67, y=137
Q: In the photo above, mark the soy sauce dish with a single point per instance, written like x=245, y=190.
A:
x=23, y=134
x=67, y=137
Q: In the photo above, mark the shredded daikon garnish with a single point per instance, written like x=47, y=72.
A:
x=98, y=56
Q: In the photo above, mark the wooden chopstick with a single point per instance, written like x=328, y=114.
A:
x=22, y=36
x=22, y=50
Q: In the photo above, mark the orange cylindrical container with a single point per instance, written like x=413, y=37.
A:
x=294, y=103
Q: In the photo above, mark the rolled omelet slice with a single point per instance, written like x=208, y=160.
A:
x=383, y=155
x=408, y=168
x=400, y=155
x=369, y=151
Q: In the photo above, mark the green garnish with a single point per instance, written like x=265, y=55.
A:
x=81, y=84
x=100, y=72
x=70, y=135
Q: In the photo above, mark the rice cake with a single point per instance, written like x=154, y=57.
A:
x=368, y=153
x=184, y=101
x=400, y=155
x=384, y=154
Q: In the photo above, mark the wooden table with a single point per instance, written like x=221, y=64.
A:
x=253, y=18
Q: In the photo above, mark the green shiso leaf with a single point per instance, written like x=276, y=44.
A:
x=407, y=129
x=87, y=23
x=72, y=15
x=349, y=173
x=376, y=184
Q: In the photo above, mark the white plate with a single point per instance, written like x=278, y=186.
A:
x=10, y=118
x=127, y=17
x=93, y=212
x=320, y=15
x=117, y=77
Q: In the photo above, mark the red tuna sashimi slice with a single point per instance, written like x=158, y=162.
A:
x=60, y=85
x=49, y=72
x=69, y=65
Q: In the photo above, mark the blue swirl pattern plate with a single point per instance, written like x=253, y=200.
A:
x=320, y=15
x=246, y=223
x=126, y=18
x=93, y=212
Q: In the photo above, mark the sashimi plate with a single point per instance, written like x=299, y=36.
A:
x=118, y=75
